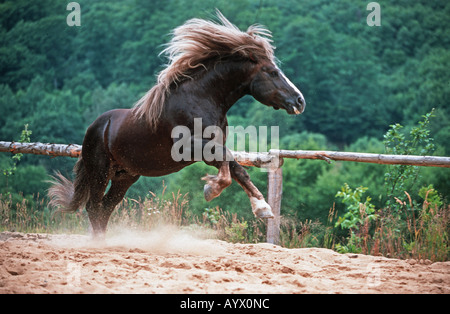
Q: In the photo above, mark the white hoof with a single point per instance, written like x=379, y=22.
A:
x=260, y=208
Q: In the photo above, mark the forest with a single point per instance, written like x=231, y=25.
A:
x=374, y=89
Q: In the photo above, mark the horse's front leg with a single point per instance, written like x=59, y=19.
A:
x=260, y=207
x=215, y=184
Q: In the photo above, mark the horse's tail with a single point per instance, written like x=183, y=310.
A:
x=68, y=196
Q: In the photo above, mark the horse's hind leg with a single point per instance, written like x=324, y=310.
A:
x=117, y=191
x=101, y=210
x=94, y=208
x=98, y=181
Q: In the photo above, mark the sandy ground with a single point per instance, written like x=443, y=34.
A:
x=172, y=261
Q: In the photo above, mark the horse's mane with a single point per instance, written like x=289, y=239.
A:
x=193, y=43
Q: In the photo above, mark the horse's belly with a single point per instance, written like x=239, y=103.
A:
x=138, y=151
x=146, y=159
x=155, y=166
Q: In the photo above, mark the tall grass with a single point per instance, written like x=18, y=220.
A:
x=411, y=230
x=33, y=215
x=420, y=233
x=295, y=233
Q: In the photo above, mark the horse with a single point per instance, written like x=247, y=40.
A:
x=212, y=64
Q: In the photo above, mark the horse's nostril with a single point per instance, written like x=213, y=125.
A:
x=301, y=103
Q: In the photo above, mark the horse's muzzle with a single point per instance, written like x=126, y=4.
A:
x=298, y=107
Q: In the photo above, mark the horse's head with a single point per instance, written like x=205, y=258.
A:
x=271, y=87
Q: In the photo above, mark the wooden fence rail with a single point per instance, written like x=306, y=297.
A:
x=262, y=160
x=427, y=161
x=53, y=150
x=272, y=161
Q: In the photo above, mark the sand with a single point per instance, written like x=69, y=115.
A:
x=174, y=261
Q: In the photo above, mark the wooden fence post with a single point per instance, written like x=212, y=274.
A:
x=274, y=194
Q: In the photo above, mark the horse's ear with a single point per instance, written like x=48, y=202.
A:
x=252, y=57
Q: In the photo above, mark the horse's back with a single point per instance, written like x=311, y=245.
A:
x=131, y=145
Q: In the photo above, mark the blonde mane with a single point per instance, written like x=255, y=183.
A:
x=194, y=42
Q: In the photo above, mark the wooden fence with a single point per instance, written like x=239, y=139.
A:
x=271, y=161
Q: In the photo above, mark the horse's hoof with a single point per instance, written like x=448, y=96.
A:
x=98, y=239
x=209, y=193
x=264, y=213
x=261, y=209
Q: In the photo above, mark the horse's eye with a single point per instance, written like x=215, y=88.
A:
x=274, y=73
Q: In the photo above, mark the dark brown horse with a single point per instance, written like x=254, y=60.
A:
x=211, y=66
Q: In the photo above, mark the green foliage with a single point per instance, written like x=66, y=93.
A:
x=357, y=218
x=236, y=232
x=212, y=215
x=396, y=220
x=357, y=212
x=419, y=141
x=411, y=230
x=24, y=137
x=429, y=194
x=401, y=178
x=11, y=169
x=353, y=244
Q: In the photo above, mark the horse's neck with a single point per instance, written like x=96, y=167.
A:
x=227, y=82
